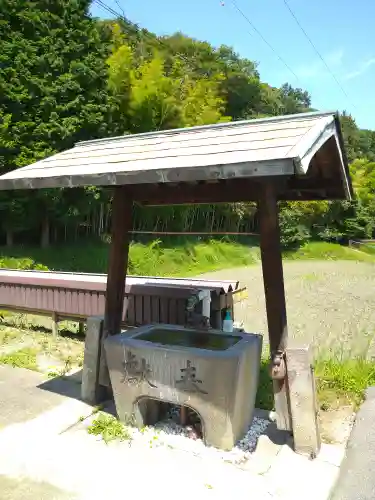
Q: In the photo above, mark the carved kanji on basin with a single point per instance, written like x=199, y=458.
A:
x=209, y=372
x=136, y=371
x=188, y=381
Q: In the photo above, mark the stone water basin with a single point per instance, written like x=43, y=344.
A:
x=213, y=373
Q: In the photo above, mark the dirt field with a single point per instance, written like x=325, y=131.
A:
x=330, y=303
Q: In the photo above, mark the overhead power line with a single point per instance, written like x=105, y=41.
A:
x=112, y=11
x=119, y=6
x=108, y=8
x=318, y=53
x=281, y=59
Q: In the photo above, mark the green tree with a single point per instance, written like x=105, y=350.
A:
x=350, y=134
x=239, y=86
x=150, y=97
x=53, y=80
x=294, y=100
x=66, y=77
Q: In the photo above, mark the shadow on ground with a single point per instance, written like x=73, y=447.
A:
x=64, y=385
x=264, y=397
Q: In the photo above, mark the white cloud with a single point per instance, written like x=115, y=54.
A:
x=334, y=58
x=317, y=68
x=309, y=71
x=363, y=68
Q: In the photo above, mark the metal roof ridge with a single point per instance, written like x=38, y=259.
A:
x=309, y=140
x=238, y=123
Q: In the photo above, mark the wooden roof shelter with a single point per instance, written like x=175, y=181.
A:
x=305, y=151
x=295, y=157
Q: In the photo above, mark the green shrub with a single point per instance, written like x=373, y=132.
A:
x=22, y=264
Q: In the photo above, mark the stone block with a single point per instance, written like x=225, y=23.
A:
x=303, y=401
x=294, y=477
x=91, y=391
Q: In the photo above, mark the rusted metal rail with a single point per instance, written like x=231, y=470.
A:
x=76, y=296
x=358, y=243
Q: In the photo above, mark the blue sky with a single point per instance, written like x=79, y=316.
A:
x=342, y=30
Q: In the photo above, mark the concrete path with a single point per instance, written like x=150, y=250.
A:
x=48, y=449
x=46, y=452
x=24, y=394
x=357, y=475
x=25, y=489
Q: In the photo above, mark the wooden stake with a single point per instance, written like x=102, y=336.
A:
x=55, y=324
x=183, y=415
x=273, y=280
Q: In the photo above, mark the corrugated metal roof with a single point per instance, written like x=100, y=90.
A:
x=254, y=148
x=77, y=278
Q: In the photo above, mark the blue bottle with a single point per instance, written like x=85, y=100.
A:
x=228, y=322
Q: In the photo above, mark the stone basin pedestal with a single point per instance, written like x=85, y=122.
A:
x=212, y=372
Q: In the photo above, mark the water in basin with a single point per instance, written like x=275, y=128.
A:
x=188, y=338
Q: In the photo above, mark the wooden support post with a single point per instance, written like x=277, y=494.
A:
x=55, y=324
x=273, y=279
x=81, y=328
x=122, y=208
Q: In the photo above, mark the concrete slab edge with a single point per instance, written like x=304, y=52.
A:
x=356, y=480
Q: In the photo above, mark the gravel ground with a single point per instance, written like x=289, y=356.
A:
x=168, y=433
x=330, y=303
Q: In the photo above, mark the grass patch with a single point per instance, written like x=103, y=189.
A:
x=15, y=320
x=187, y=258
x=311, y=277
x=320, y=250
x=66, y=349
x=369, y=248
x=109, y=428
x=341, y=381
x=8, y=335
x=23, y=358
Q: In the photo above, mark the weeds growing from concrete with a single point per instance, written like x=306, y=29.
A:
x=109, y=428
